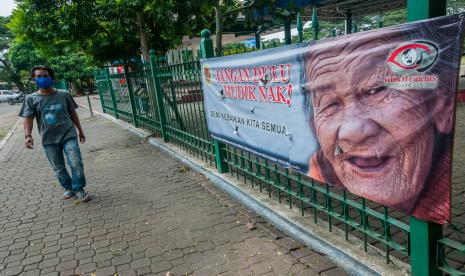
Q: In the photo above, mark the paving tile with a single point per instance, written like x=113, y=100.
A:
x=131, y=225
x=318, y=262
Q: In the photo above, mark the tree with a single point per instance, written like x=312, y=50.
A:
x=108, y=29
x=159, y=24
x=8, y=73
x=23, y=56
x=225, y=12
x=455, y=6
x=69, y=64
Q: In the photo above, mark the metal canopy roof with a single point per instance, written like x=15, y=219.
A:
x=327, y=10
x=339, y=9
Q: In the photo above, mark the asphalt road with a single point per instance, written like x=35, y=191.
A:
x=8, y=117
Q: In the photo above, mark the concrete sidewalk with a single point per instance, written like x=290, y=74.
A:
x=149, y=215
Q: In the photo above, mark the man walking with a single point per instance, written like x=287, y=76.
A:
x=57, y=121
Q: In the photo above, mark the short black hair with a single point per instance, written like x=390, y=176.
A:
x=42, y=67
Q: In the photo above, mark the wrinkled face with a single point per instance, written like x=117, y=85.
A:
x=379, y=140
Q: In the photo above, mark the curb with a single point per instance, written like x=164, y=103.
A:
x=350, y=264
x=9, y=134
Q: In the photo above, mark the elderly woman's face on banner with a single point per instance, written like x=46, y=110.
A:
x=379, y=140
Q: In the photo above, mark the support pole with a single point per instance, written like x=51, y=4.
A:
x=381, y=18
x=206, y=51
x=287, y=31
x=423, y=9
x=257, y=40
x=300, y=29
x=423, y=234
x=90, y=104
x=423, y=242
x=348, y=22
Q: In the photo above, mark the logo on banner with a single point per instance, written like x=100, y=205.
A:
x=409, y=63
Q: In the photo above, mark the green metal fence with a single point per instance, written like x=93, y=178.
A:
x=184, y=124
x=165, y=96
x=140, y=83
x=103, y=89
x=374, y=224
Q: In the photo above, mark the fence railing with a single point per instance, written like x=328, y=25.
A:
x=165, y=96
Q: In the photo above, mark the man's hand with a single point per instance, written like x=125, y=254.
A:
x=27, y=124
x=29, y=142
x=82, y=138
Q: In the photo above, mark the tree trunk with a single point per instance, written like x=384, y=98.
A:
x=89, y=85
x=19, y=84
x=219, y=29
x=81, y=88
x=144, y=45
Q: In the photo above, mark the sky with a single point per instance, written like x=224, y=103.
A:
x=6, y=6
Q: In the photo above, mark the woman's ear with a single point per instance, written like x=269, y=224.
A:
x=444, y=111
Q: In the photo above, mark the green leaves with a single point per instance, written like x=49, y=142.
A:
x=5, y=34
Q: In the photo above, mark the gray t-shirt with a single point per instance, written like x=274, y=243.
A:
x=52, y=113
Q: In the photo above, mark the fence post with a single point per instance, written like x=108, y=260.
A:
x=423, y=9
x=206, y=51
x=132, y=102
x=423, y=241
x=112, y=92
x=158, y=95
x=423, y=234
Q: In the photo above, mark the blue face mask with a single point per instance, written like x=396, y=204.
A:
x=44, y=83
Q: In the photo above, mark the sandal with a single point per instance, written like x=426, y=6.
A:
x=82, y=196
x=68, y=194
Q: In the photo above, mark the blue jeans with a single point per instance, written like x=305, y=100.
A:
x=55, y=156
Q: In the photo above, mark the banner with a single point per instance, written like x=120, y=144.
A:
x=372, y=112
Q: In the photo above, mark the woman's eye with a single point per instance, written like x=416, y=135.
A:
x=375, y=90
x=329, y=107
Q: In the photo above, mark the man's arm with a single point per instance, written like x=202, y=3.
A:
x=27, y=124
x=75, y=119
